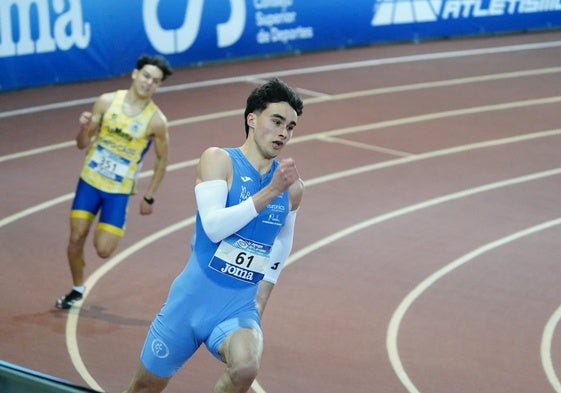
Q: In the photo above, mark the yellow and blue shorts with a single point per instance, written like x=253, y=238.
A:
x=89, y=201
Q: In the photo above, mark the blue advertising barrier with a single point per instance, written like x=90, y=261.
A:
x=45, y=42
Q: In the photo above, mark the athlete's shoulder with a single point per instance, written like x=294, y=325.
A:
x=214, y=152
x=214, y=163
x=108, y=97
x=105, y=100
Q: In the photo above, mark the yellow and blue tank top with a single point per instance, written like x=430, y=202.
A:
x=114, y=159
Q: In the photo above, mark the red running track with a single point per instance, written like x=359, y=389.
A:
x=427, y=248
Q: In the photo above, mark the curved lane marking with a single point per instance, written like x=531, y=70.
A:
x=184, y=223
x=385, y=164
x=393, y=328
x=72, y=321
x=74, y=314
x=545, y=350
x=66, y=197
x=339, y=97
x=306, y=70
x=319, y=180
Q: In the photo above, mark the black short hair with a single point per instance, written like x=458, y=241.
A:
x=155, y=60
x=274, y=90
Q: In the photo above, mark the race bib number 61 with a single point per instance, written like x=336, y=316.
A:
x=241, y=259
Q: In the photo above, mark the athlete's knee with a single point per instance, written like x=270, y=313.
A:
x=104, y=251
x=243, y=373
x=144, y=381
x=105, y=248
x=141, y=385
x=78, y=233
x=77, y=238
x=75, y=244
x=105, y=243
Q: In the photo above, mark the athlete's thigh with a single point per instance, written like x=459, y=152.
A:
x=145, y=381
x=112, y=220
x=166, y=347
x=113, y=214
x=87, y=202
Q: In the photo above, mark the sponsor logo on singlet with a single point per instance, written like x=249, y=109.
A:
x=160, y=349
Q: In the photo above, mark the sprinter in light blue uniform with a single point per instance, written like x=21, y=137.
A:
x=220, y=276
x=247, y=202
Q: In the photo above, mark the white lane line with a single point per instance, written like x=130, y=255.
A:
x=74, y=314
x=35, y=209
x=312, y=93
x=257, y=388
x=350, y=172
x=66, y=197
x=432, y=116
x=306, y=70
x=432, y=154
x=435, y=84
x=47, y=107
x=361, y=145
x=332, y=133
x=208, y=117
x=338, y=97
x=39, y=150
x=545, y=350
x=397, y=317
x=416, y=207
x=72, y=321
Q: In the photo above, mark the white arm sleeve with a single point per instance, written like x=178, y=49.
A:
x=281, y=249
x=218, y=220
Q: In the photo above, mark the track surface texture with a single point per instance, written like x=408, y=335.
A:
x=427, y=249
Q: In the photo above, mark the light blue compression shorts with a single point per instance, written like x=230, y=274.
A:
x=197, y=311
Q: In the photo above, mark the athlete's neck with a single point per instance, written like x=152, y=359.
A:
x=256, y=159
x=134, y=104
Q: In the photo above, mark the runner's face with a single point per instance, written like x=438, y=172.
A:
x=147, y=79
x=273, y=127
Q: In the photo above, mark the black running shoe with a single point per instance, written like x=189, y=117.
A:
x=67, y=301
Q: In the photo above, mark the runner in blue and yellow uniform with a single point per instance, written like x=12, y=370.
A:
x=118, y=133
x=247, y=203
